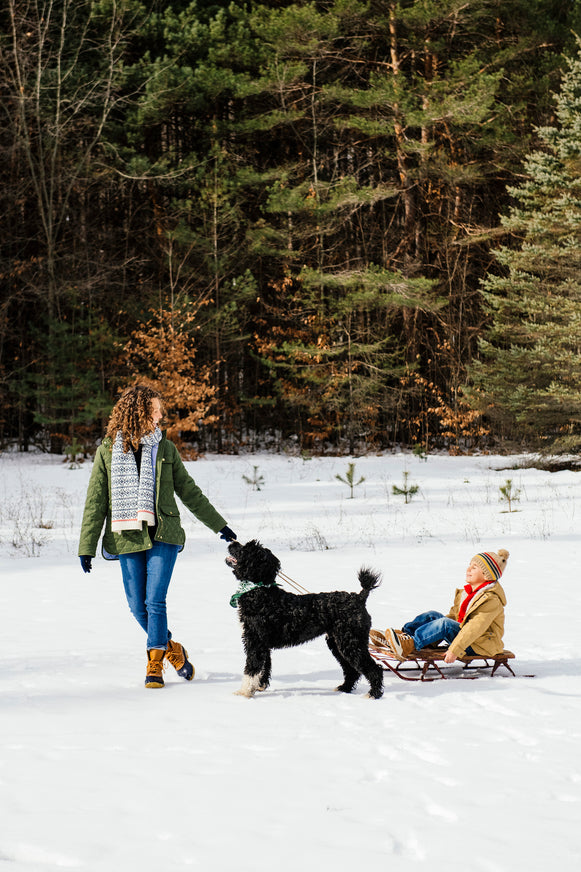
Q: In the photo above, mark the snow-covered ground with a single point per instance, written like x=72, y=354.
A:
x=99, y=774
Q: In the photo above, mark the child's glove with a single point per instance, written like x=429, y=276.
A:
x=227, y=534
x=86, y=563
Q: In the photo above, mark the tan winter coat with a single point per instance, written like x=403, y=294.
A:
x=483, y=625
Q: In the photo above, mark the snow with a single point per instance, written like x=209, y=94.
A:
x=98, y=774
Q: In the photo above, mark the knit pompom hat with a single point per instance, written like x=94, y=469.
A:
x=492, y=564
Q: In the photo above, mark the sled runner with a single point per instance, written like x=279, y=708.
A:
x=425, y=663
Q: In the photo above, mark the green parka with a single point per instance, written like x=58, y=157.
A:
x=483, y=625
x=171, y=477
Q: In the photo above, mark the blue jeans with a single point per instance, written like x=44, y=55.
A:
x=431, y=628
x=146, y=578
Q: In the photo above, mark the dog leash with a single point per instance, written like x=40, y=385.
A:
x=292, y=583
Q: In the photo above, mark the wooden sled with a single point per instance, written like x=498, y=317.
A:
x=425, y=663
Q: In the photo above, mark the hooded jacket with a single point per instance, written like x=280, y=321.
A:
x=483, y=625
x=171, y=477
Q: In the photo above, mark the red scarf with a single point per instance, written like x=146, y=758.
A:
x=471, y=592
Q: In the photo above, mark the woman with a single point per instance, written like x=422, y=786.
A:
x=136, y=474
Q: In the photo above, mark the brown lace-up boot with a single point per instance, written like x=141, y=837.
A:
x=178, y=657
x=154, y=675
x=400, y=643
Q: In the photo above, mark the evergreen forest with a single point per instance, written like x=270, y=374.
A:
x=333, y=225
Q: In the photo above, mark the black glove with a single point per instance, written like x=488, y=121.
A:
x=227, y=534
x=86, y=563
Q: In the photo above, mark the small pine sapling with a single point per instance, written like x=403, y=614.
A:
x=256, y=481
x=420, y=452
x=408, y=490
x=509, y=494
x=349, y=479
x=74, y=454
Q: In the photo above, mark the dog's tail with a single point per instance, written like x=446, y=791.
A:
x=368, y=579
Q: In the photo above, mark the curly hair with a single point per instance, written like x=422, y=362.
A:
x=132, y=414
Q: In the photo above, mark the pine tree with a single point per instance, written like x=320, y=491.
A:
x=332, y=349
x=530, y=367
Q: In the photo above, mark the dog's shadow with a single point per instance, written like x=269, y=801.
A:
x=305, y=684
x=210, y=677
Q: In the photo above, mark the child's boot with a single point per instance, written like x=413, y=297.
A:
x=178, y=657
x=154, y=675
x=400, y=643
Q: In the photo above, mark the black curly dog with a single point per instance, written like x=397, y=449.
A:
x=272, y=618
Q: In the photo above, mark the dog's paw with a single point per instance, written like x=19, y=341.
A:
x=371, y=696
x=343, y=689
x=250, y=684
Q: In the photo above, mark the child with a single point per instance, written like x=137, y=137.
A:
x=135, y=475
x=474, y=624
